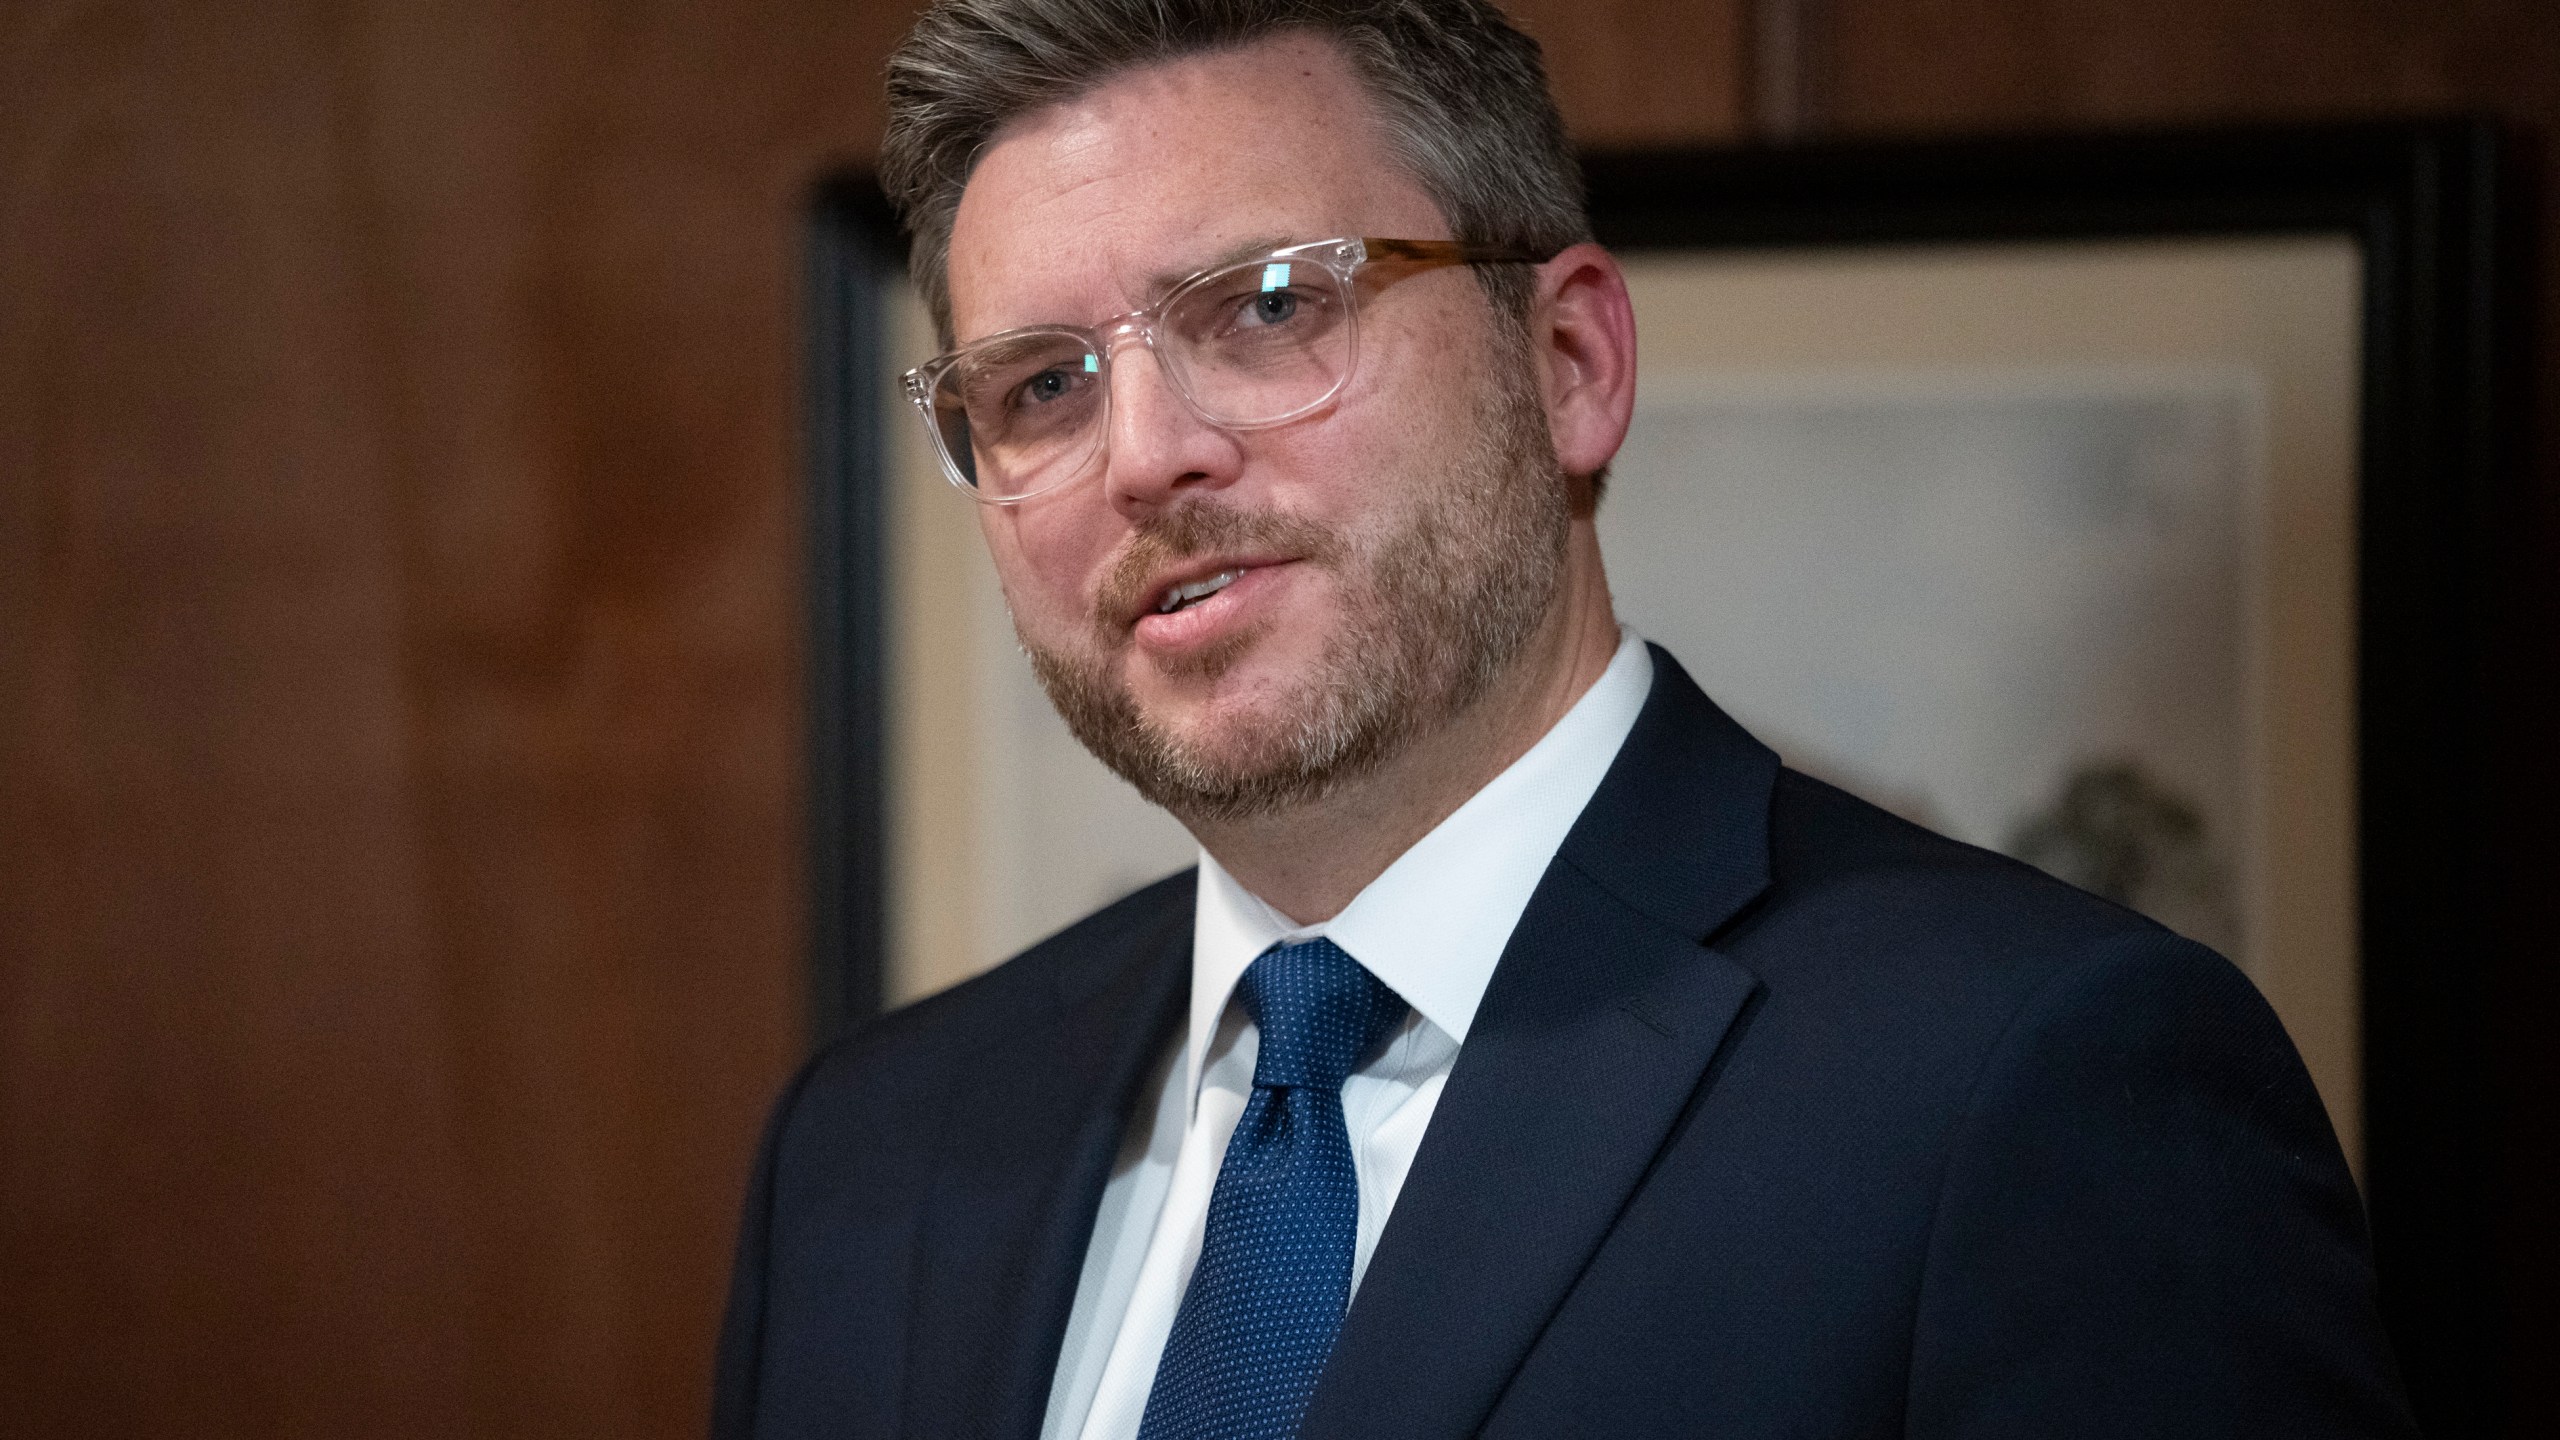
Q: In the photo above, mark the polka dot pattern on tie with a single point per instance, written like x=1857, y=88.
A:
x=1274, y=1277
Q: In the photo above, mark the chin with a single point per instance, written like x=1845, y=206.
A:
x=1225, y=672
x=1217, y=712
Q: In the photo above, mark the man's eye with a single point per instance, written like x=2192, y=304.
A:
x=1047, y=386
x=1271, y=307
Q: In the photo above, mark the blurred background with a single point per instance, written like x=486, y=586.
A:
x=402, y=633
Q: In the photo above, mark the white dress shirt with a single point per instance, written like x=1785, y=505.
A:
x=1431, y=927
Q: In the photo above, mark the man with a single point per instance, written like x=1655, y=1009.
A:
x=1529, y=1054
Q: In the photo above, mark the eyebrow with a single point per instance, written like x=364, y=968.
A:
x=1166, y=279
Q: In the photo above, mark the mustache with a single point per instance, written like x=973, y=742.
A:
x=1203, y=528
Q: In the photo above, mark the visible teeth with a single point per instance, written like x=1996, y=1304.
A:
x=1181, y=595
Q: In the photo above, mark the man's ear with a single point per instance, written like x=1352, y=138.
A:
x=1583, y=332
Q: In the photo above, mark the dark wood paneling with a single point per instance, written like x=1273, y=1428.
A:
x=1645, y=71
x=400, y=642
x=1977, y=64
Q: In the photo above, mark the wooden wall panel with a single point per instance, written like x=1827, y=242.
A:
x=1975, y=64
x=1645, y=71
x=227, y=1148
x=399, y=710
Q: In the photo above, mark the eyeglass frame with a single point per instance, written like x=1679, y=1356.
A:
x=1343, y=257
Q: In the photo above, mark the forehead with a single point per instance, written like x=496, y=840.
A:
x=1083, y=209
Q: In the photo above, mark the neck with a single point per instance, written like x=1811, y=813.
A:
x=1309, y=861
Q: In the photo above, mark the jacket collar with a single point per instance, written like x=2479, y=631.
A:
x=1679, y=830
x=1608, y=1006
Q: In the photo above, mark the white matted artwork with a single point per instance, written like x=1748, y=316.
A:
x=2048, y=546
x=2008, y=605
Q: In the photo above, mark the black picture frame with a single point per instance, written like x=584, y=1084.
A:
x=854, y=254
x=2428, y=204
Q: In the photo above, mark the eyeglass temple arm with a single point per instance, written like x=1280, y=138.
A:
x=1449, y=252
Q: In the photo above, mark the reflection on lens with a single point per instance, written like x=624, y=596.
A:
x=1260, y=341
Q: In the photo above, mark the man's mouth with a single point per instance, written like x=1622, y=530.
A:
x=1203, y=601
x=1197, y=590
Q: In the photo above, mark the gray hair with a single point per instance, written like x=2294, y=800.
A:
x=1461, y=95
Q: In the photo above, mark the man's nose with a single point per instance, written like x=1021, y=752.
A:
x=1159, y=447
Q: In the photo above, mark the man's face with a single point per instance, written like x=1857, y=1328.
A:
x=1391, y=553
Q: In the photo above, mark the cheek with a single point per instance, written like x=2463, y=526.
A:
x=1389, y=446
x=1417, y=394
x=1048, y=557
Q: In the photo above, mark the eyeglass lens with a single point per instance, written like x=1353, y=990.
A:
x=1248, y=345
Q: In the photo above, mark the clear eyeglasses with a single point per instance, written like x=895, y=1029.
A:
x=1251, y=345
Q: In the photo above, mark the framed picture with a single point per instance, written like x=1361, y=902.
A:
x=2107, y=501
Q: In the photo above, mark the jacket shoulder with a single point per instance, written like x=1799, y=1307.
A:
x=1881, y=886
x=834, y=1214
x=916, y=1049
x=1927, y=956
x=2058, y=1099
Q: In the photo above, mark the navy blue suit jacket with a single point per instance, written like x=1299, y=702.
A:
x=1781, y=1117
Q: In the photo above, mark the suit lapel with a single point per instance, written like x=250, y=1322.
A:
x=1030, y=1139
x=1601, y=1020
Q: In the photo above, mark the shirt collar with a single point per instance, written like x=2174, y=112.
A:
x=1434, y=924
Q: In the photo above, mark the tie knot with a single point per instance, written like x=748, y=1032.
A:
x=1318, y=1010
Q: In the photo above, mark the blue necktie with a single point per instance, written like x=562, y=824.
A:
x=1275, y=1261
